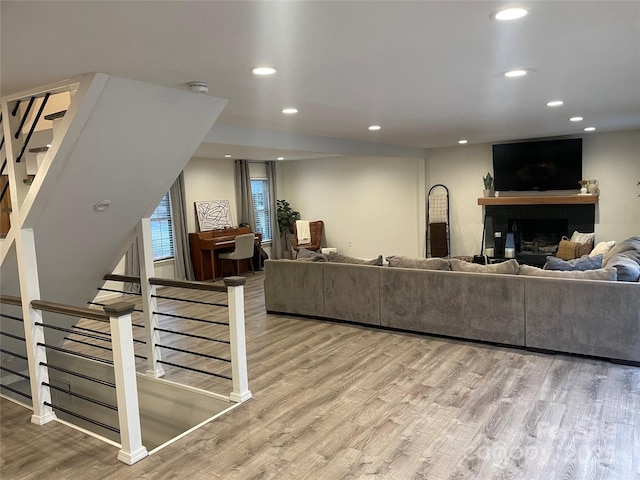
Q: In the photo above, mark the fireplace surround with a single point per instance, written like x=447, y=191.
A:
x=536, y=225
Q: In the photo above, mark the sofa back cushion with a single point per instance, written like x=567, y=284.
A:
x=421, y=263
x=338, y=258
x=608, y=273
x=581, y=264
x=305, y=255
x=509, y=267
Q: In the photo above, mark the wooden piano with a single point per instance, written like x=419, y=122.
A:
x=205, y=246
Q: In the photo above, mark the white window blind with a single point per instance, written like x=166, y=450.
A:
x=262, y=207
x=162, y=230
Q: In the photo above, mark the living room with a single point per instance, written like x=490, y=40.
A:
x=345, y=401
x=377, y=205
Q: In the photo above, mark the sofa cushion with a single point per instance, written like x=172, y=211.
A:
x=627, y=266
x=582, y=237
x=583, y=263
x=305, y=255
x=510, y=267
x=625, y=257
x=609, y=273
x=338, y=258
x=421, y=263
x=602, y=248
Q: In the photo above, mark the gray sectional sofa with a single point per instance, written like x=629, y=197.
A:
x=578, y=316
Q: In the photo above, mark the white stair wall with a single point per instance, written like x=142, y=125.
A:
x=121, y=140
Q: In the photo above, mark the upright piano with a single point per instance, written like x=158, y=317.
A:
x=205, y=246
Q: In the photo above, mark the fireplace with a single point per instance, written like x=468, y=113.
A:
x=537, y=229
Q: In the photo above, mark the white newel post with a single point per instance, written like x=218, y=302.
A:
x=235, y=293
x=124, y=366
x=149, y=305
x=33, y=334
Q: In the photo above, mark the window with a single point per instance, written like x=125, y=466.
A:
x=162, y=230
x=262, y=207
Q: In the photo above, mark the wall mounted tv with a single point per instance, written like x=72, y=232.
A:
x=538, y=165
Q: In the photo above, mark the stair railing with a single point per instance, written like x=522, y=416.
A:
x=211, y=346
x=118, y=316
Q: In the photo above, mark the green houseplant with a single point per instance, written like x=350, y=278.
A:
x=287, y=217
x=488, y=185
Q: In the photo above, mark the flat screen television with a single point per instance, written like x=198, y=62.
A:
x=538, y=165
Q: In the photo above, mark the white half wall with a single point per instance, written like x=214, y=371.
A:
x=369, y=205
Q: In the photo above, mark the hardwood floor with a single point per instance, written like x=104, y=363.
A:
x=335, y=401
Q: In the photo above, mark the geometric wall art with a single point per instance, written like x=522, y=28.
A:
x=213, y=214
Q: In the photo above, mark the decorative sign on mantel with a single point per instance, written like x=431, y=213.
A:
x=213, y=214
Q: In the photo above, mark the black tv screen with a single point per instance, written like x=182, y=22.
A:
x=541, y=165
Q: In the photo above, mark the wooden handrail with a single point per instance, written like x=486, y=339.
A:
x=63, y=309
x=11, y=300
x=121, y=278
x=166, y=282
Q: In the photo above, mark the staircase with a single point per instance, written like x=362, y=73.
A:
x=122, y=142
x=113, y=154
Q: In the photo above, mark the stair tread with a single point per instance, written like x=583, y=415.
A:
x=38, y=149
x=53, y=116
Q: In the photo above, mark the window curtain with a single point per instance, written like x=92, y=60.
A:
x=181, y=253
x=276, y=239
x=244, y=200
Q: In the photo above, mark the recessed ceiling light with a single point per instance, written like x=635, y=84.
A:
x=521, y=72
x=263, y=70
x=462, y=142
x=227, y=155
x=576, y=119
x=280, y=158
x=555, y=103
x=289, y=110
x=589, y=129
x=375, y=127
x=510, y=13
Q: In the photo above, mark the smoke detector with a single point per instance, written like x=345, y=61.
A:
x=198, y=87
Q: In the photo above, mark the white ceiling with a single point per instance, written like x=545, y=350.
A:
x=429, y=72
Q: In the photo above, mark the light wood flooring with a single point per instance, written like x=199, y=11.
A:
x=335, y=401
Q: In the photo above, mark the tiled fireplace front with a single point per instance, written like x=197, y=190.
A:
x=537, y=229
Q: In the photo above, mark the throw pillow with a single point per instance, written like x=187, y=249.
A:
x=421, y=263
x=583, y=237
x=338, y=258
x=510, y=267
x=609, y=273
x=628, y=267
x=625, y=257
x=305, y=255
x=602, y=248
x=581, y=264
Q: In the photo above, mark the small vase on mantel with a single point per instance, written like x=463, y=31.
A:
x=488, y=193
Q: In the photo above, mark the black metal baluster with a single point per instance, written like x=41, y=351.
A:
x=33, y=126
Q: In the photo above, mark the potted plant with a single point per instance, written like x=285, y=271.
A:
x=488, y=185
x=287, y=217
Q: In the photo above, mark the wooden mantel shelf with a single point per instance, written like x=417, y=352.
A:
x=541, y=200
